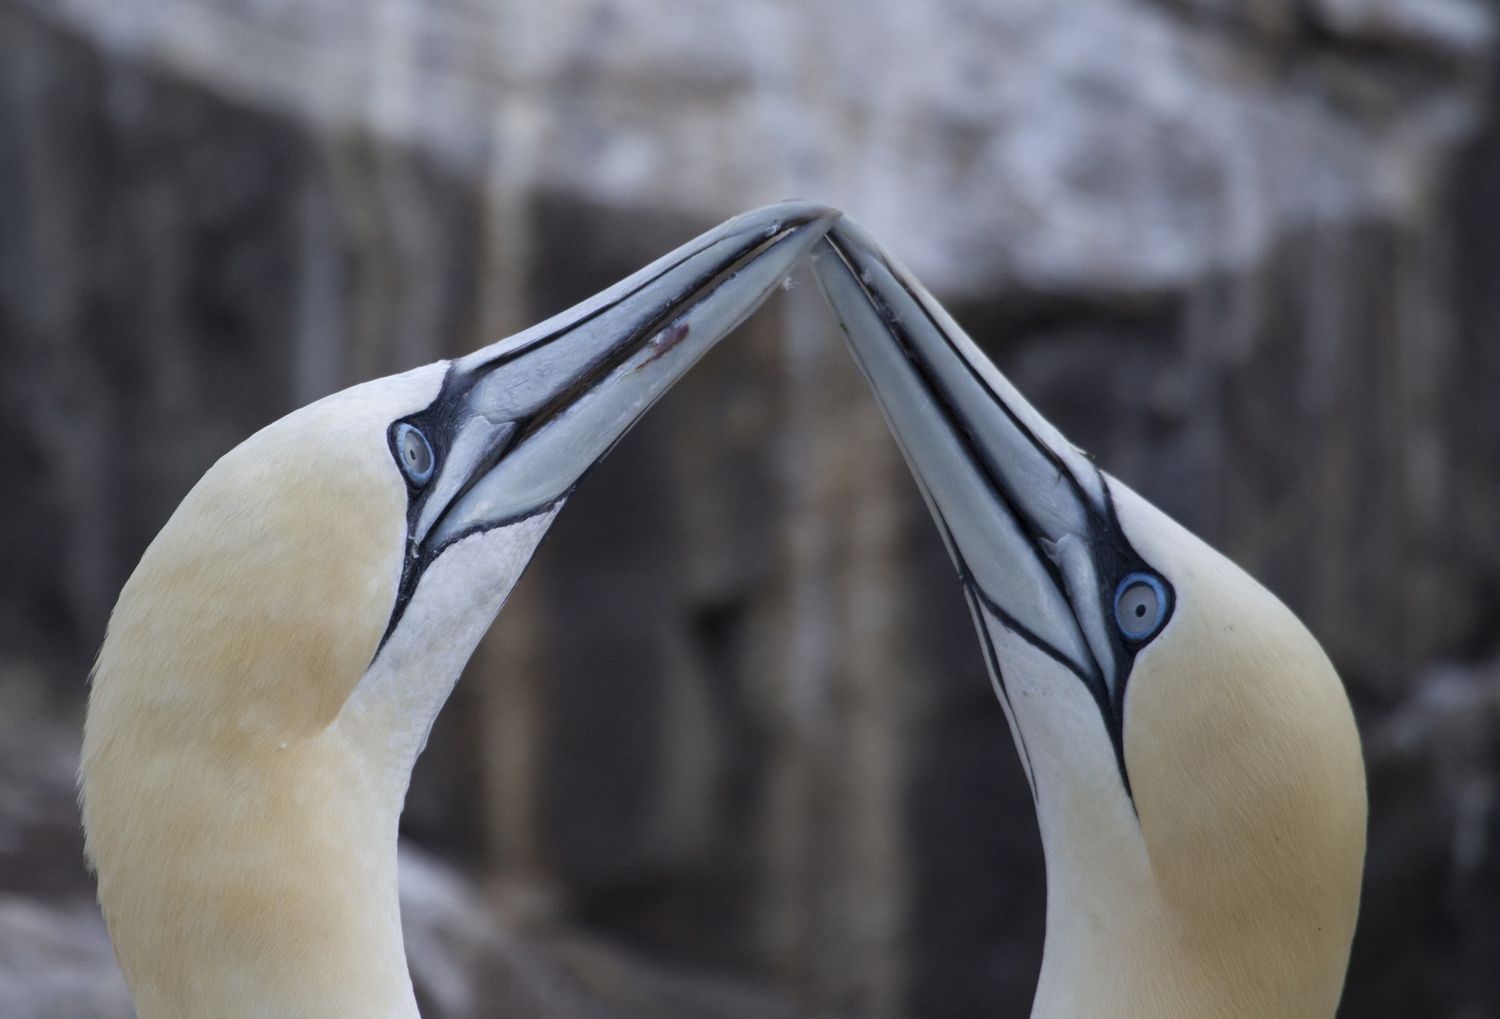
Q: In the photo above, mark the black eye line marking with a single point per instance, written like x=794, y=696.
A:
x=976, y=456
x=972, y=596
x=441, y=411
x=436, y=420
x=982, y=466
x=1051, y=455
x=1110, y=533
x=699, y=289
x=1126, y=651
x=1114, y=556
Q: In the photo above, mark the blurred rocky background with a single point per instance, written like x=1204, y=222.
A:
x=731, y=751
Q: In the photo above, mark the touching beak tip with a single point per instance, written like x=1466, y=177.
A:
x=800, y=225
x=796, y=212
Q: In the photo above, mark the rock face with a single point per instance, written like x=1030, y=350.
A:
x=733, y=719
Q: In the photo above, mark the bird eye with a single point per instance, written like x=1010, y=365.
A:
x=415, y=454
x=1140, y=606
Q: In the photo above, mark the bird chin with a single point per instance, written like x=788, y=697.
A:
x=455, y=601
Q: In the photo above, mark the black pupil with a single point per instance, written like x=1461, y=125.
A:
x=417, y=454
x=1138, y=609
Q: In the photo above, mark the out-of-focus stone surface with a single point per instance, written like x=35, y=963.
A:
x=1435, y=779
x=733, y=720
x=467, y=962
x=55, y=958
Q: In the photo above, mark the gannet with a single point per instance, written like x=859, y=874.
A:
x=1191, y=752
x=274, y=663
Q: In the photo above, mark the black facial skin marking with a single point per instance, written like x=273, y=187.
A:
x=443, y=418
x=1113, y=556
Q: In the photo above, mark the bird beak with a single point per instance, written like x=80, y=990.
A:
x=1026, y=516
x=528, y=416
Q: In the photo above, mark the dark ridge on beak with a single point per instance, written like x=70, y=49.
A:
x=518, y=424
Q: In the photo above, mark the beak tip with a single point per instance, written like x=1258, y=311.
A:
x=799, y=210
x=790, y=215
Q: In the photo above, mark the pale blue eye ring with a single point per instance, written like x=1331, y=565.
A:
x=1140, y=606
x=414, y=453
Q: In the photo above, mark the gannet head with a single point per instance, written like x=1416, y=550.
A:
x=1191, y=751
x=273, y=665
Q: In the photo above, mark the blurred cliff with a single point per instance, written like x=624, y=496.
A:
x=730, y=750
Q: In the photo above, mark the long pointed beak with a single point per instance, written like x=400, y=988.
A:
x=528, y=416
x=1025, y=515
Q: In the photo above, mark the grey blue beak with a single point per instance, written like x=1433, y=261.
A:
x=518, y=423
x=529, y=415
x=1027, y=517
